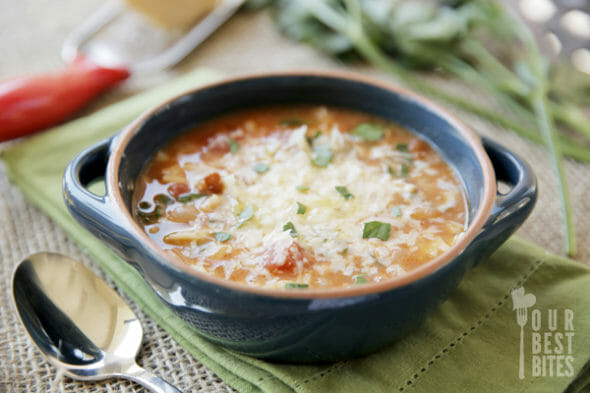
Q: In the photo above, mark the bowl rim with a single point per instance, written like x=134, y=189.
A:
x=480, y=218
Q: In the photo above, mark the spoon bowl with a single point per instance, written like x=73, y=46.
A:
x=78, y=322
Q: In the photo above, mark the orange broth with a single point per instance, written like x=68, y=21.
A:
x=301, y=197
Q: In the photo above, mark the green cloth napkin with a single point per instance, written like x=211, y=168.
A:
x=469, y=344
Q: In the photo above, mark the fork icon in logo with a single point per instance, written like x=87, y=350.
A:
x=520, y=303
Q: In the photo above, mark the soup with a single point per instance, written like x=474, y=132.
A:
x=300, y=197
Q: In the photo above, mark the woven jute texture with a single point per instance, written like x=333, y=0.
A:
x=248, y=43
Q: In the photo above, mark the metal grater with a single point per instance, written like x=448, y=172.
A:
x=117, y=35
x=561, y=26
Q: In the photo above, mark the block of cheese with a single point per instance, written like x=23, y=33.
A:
x=173, y=14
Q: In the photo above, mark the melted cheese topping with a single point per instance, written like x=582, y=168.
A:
x=290, y=221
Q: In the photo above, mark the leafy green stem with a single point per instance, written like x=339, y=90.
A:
x=547, y=130
x=539, y=69
x=571, y=116
x=506, y=78
x=374, y=55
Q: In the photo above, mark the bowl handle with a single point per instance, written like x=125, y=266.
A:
x=512, y=207
x=95, y=213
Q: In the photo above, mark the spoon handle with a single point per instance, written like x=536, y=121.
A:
x=149, y=380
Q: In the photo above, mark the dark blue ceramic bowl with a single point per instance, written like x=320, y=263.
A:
x=313, y=325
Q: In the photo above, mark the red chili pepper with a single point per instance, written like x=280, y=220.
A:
x=31, y=103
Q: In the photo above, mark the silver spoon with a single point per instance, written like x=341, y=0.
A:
x=78, y=322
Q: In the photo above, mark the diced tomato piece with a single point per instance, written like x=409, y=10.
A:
x=418, y=145
x=177, y=189
x=281, y=261
x=211, y=184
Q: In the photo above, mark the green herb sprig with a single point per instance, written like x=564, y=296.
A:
x=245, y=215
x=342, y=190
x=296, y=285
x=322, y=156
x=289, y=227
x=261, y=167
x=301, y=208
x=234, y=146
x=222, y=236
x=376, y=229
x=368, y=132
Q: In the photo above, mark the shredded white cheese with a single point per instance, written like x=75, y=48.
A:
x=330, y=232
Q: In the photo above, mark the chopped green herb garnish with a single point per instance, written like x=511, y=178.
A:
x=368, y=132
x=301, y=208
x=396, y=211
x=245, y=215
x=150, y=217
x=312, y=138
x=401, y=147
x=261, y=167
x=322, y=155
x=233, y=145
x=344, y=252
x=344, y=192
x=189, y=197
x=404, y=170
x=361, y=279
x=291, y=228
x=302, y=188
x=376, y=229
x=222, y=236
x=162, y=199
x=292, y=122
x=296, y=285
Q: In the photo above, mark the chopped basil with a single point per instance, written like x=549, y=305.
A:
x=291, y=228
x=302, y=188
x=404, y=170
x=322, y=155
x=233, y=146
x=292, y=122
x=222, y=236
x=301, y=208
x=368, y=132
x=312, y=138
x=245, y=215
x=261, y=167
x=344, y=192
x=162, y=199
x=296, y=285
x=396, y=211
x=376, y=229
x=150, y=217
x=189, y=197
x=401, y=147
x=361, y=279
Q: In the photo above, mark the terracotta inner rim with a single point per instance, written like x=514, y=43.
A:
x=487, y=203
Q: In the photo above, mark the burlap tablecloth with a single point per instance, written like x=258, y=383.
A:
x=31, y=33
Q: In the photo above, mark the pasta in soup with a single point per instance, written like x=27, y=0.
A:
x=301, y=197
